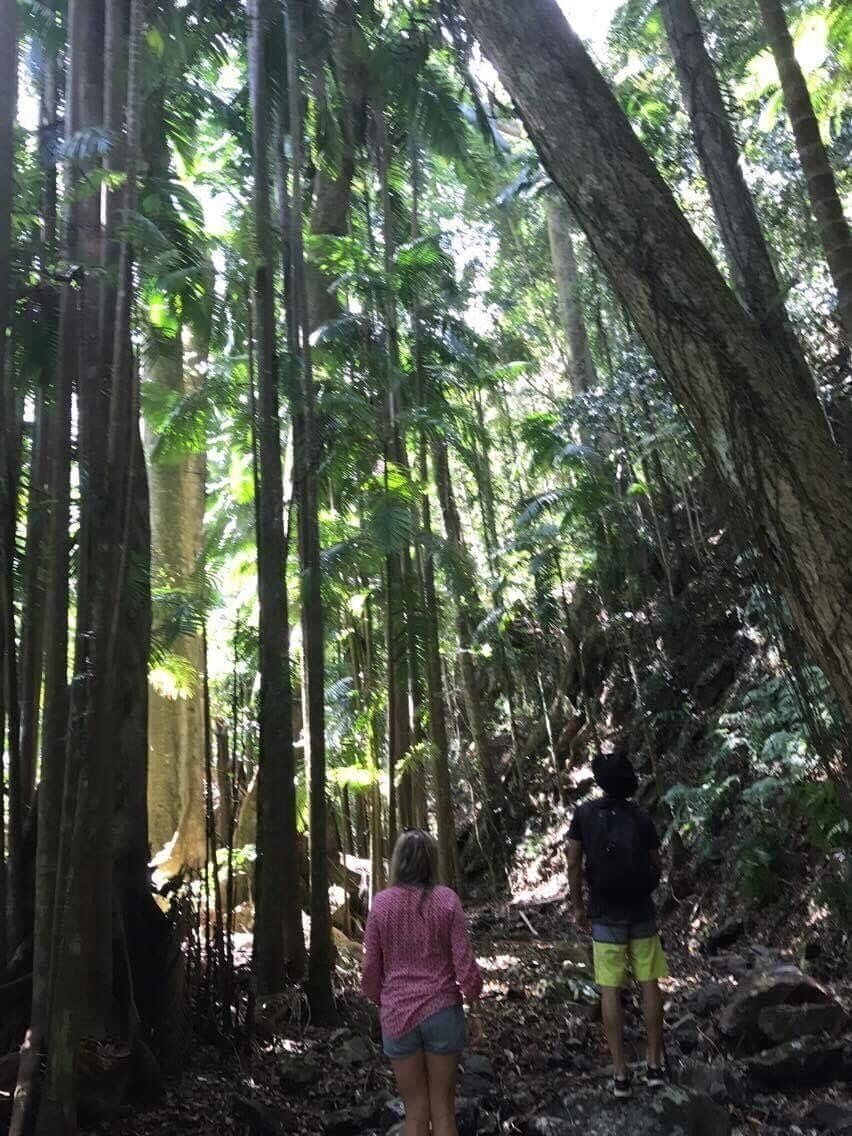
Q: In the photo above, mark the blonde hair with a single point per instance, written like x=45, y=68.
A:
x=415, y=859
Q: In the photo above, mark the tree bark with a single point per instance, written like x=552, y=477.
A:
x=748, y=256
x=825, y=200
x=32, y=620
x=468, y=616
x=756, y=418
x=8, y=494
x=582, y=373
x=279, y=944
x=176, y=723
x=307, y=450
x=333, y=192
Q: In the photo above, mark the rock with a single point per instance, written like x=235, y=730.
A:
x=690, y=1113
x=784, y=1023
x=724, y=936
x=479, y=1064
x=350, y=1121
x=804, y=1062
x=278, y=1014
x=298, y=1071
x=718, y=1081
x=467, y=1116
x=706, y=999
x=355, y=1051
x=573, y=953
x=477, y=1088
x=785, y=985
x=828, y=1117
x=550, y=1126
x=261, y=1119
x=686, y=1033
x=488, y=1125
x=735, y=965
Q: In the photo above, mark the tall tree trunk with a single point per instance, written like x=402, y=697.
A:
x=468, y=616
x=582, y=373
x=279, y=944
x=399, y=723
x=8, y=492
x=8, y=107
x=756, y=418
x=176, y=723
x=424, y=574
x=83, y=969
x=749, y=259
x=32, y=621
x=333, y=191
x=822, y=187
x=307, y=454
x=55, y=717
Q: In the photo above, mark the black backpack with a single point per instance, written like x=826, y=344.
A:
x=618, y=859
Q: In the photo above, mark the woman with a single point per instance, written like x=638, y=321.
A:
x=418, y=963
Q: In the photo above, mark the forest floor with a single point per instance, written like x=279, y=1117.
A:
x=540, y=1069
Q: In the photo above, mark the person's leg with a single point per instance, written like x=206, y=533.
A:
x=443, y=1071
x=610, y=957
x=444, y=1041
x=648, y=963
x=413, y=1083
x=652, y=1007
x=612, y=1013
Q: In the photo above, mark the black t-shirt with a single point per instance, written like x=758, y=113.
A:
x=599, y=907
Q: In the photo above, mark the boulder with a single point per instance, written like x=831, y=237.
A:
x=728, y=964
x=477, y=1088
x=550, y=1126
x=479, y=1064
x=803, y=1062
x=692, y=1114
x=686, y=1033
x=719, y=1081
x=724, y=936
x=829, y=1117
x=350, y=1121
x=355, y=1051
x=706, y=999
x=467, y=1116
x=260, y=1118
x=782, y=986
x=298, y=1071
x=784, y=1023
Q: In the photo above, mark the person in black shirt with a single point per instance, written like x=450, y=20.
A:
x=617, y=843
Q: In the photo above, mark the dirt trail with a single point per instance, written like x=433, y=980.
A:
x=541, y=1069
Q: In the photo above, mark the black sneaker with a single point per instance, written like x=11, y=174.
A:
x=622, y=1087
x=655, y=1077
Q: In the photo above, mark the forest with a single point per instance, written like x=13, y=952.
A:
x=401, y=403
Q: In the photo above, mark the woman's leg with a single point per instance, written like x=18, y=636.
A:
x=413, y=1084
x=443, y=1072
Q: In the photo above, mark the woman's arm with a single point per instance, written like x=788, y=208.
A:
x=465, y=965
x=372, y=971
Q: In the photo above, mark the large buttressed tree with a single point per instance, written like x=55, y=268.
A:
x=756, y=419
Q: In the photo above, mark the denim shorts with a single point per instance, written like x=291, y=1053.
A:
x=444, y=1033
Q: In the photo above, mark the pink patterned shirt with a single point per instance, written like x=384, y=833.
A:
x=417, y=956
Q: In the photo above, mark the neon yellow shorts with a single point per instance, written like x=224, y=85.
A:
x=644, y=957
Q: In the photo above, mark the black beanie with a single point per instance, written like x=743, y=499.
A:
x=615, y=774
